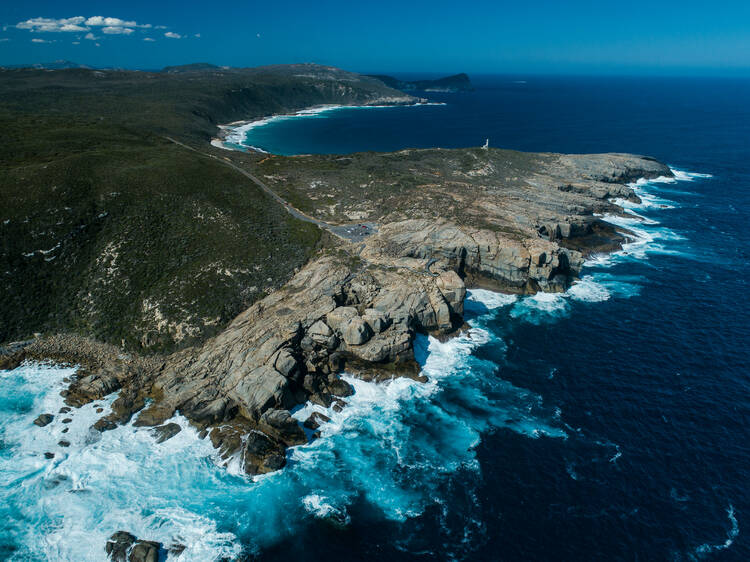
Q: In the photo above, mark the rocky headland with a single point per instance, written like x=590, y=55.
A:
x=232, y=286
x=448, y=84
x=510, y=221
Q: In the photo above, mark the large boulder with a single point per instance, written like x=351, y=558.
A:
x=321, y=333
x=44, y=419
x=118, y=545
x=340, y=315
x=145, y=551
x=261, y=389
x=285, y=363
x=227, y=439
x=315, y=420
x=262, y=454
x=376, y=319
x=281, y=425
x=164, y=432
x=124, y=547
x=453, y=290
x=356, y=331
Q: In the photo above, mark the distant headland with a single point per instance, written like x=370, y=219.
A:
x=448, y=84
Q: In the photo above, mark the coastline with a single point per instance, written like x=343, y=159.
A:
x=90, y=354
x=408, y=279
x=445, y=366
x=232, y=135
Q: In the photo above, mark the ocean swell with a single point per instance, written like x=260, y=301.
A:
x=394, y=448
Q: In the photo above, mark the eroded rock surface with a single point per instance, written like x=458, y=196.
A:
x=360, y=306
x=124, y=547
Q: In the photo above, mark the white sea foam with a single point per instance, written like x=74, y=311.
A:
x=65, y=508
x=683, y=175
x=646, y=235
x=732, y=534
x=489, y=299
x=378, y=449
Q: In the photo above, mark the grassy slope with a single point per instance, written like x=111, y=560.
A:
x=139, y=222
x=387, y=187
x=109, y=230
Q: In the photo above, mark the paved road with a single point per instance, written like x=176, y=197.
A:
x=351, y=233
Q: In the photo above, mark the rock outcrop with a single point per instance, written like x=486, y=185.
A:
x=44, y=419
x=485, y=257
x=359, y=306
x=287, y=349
x=124, y=547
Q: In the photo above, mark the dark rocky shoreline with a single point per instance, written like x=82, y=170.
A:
x=355, y=309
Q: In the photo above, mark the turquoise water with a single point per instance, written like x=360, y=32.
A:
x=177, y=492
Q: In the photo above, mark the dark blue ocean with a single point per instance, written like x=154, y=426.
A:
x=608, y=423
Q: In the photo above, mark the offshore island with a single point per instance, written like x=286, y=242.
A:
x=232, y=286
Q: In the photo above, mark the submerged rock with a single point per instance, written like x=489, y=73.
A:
x=164, y=432
x=315, y=420
x=118, y=545
x=43, y=420
x=124, y=547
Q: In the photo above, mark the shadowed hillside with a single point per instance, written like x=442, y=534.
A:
x=109, y=230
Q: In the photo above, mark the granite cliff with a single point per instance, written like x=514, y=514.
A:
x=357, y=306
x=349, y=257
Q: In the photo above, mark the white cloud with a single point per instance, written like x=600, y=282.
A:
x=50, y=24
x=35, y=40
x=115, y=30
x=148, y=39
x=76, y=42
x=81, y=24
x=4, y=39
x=72, y=27
x=109, y=22
x=197, y=35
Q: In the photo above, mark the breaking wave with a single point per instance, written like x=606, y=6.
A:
x=734, y=531
x=378, y=450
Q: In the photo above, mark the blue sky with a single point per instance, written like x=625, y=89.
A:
x=590, y=37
